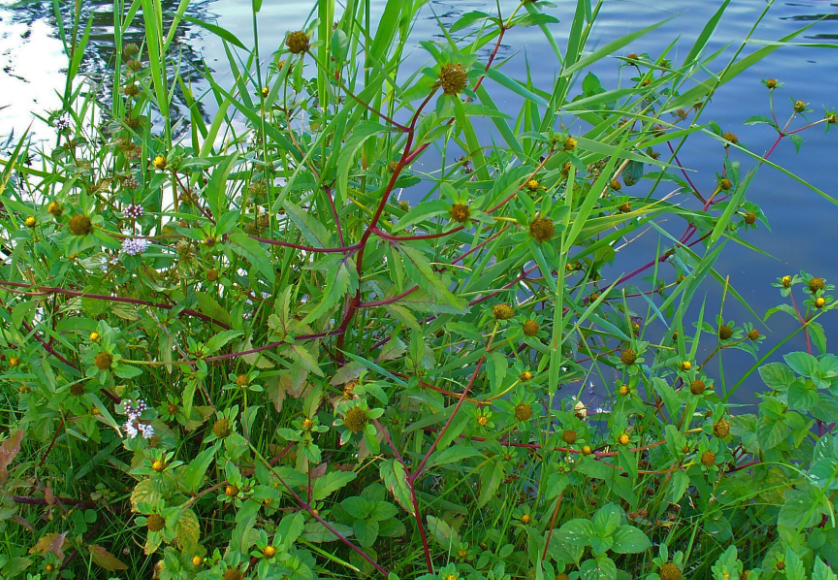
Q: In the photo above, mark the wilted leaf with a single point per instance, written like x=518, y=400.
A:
x=8, y=451
x=53, y=543
x=101, y=557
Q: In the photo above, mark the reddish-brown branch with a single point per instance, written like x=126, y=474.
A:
x=385, y=301
x=387, y=236
x=306, y=248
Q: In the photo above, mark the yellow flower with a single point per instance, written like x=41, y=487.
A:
x=160, y=162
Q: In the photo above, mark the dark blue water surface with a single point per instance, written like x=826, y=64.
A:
x=803, y=225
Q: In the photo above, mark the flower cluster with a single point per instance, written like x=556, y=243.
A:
x=133, y=246
x=134, y=211
x=133, y=426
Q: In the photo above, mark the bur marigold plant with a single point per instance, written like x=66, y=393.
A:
x=369, y=321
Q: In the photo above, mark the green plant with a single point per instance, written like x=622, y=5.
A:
x=241, y=351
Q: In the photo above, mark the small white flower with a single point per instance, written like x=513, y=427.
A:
x=147, y=431
x=134, y=246
x=130, y=429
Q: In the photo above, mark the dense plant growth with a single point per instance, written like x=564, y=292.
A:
x=231, y=348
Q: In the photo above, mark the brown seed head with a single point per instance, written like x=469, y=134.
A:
x=155, y=523
x=697, y=387
x=221, y=428
x=615, y=185
x=77, y=389
x=55, y=209
x=670, y=571
x=624, y=207
x=452, y=79
x=725, y=184
x=80, y=225
x=242, y=380
x=708, y=459
x=530, y=328
x=570, y=436
x=750, y=218
x=628, y=357
x=297, y=43
x=721, y=428
x=730, y=138
x=460, y=212
x=542, y=229
x=725, y=332
x=355, y=419
x=816, y=284
x=232, y=574
x=831, y=118
x=212, y=275
x=771, y=83
x=103, y=361
x=781, y=565
x=502, y=311
x=753, y=334
x=523, y=412
x=799, y=106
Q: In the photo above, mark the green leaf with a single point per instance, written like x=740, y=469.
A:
x=802, y=363
x=366, y=531
x=104, y=559
x=607, y=519
x=776, y=376
x=442, y=532
x=430, y=280
x=252, y=251
x=577, y=532
x=331, y=482
x=514, y=86
x=314, y=232
x=630, y=540
x=453, y=455
x=490, y=480
x=194, y=473
x=395, y=479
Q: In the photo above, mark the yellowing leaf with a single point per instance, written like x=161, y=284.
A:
x=101, y=557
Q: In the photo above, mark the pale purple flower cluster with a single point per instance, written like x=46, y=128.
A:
x=133, y=426
x=132, y=246
x=134, y=211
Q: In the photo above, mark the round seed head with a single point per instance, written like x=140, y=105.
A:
x=242, y=380
x=155, y=522
x=708, y=459
x=232, y=574
x=530, y=328
x=697, y=387
x=77, y=389
x=628, y=357
x=771, y=83
x=542, y=229
x=725, y=332
x=721, y=428
x=221, y=428
x=670, y=571
x=624, y=207
x=460, y=213
x=80, y=225
x=212, y=275
x=799, y=106
x=725, y=184
x=616, y=185
x=750, y=218
x=816, y=284
x=103, y=361
x=569, y=144
x=753, y=334
x=452, y=79
x=355, y=419
x=297, y=43
x=55, y=209
x=523, y=412
x=570, y=437
x=730, y=138
x=502, y=311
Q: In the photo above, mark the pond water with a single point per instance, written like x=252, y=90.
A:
x=803, y=225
